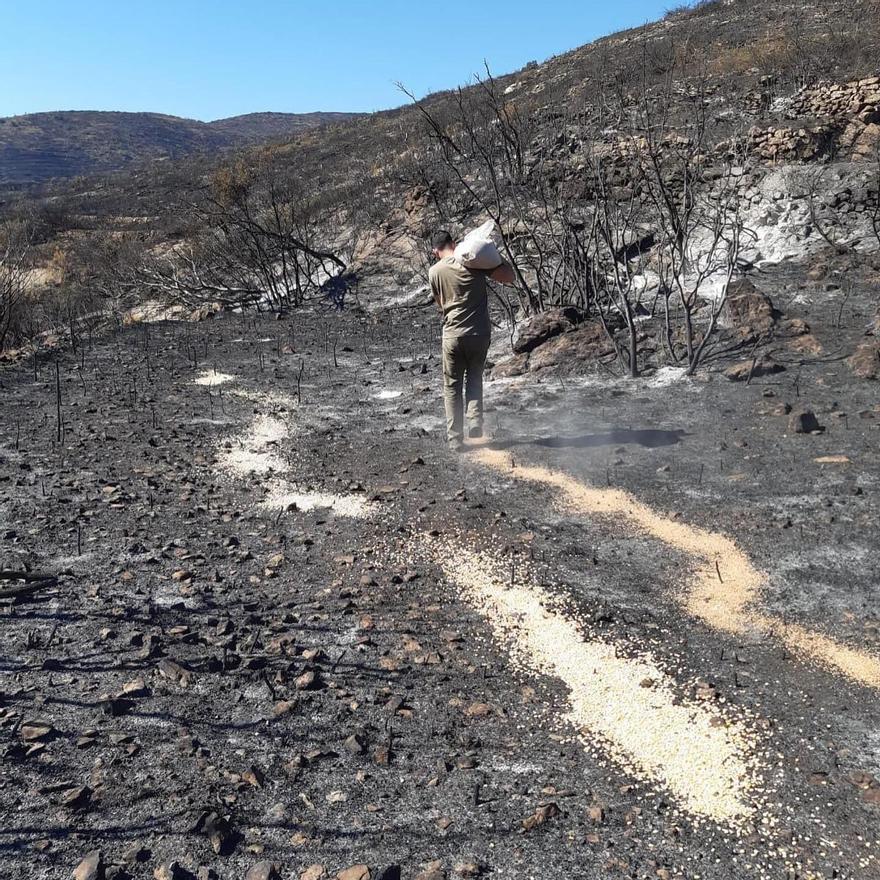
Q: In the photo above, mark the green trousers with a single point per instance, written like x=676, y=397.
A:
x=464, y=359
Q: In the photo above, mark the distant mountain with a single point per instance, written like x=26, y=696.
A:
x=39, y=146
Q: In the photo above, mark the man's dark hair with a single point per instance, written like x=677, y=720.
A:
x=441, y=240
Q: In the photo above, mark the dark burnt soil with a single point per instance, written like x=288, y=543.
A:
x=218, y=684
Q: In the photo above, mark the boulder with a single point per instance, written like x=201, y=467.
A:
x=570, y=350
x=538, y=329
x=750, y=312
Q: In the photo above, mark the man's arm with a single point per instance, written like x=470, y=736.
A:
x=504, y=274
x=435, y=289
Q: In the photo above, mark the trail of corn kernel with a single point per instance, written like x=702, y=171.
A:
x=630, y=704
x=724, y=586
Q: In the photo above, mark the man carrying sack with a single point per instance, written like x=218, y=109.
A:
x=458, y=282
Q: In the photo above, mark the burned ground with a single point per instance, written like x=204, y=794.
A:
x=221, y=682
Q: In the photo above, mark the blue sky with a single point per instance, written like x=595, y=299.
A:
x=213, y=58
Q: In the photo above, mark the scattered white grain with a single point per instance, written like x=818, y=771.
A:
x=284, y=496
x=212, y=378
x=638, y=712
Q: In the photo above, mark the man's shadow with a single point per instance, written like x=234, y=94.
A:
x=649, y=438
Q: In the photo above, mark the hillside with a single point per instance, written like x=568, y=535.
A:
x=40, y=146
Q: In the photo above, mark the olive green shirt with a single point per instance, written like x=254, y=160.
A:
x=463, y=296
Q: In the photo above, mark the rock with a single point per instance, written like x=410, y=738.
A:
x=263, y=871
x=803, y=421
x=540, y=816
x=135, y=688
x=865, y=360
x=763, y=366
x=136, y=854
x=468, y=869
x=218, y=829
x=538, y=329
x=91, y=867
x=34, y=731
x=254, y=776
x=355, y=872
x=79, y=798
x=307, y=681
x=172, y=870
x=313, y=872
x=356, y=744
x=805, y=343
x=478, y=710
x=432, y=871
x=173, y=671
x=572, y=350
x=749, y=312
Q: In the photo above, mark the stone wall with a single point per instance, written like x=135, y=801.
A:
x=839, y=119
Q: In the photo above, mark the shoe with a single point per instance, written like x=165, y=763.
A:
x=456, y=446
x=475, y=433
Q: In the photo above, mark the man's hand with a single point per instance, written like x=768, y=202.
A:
x=504, y=274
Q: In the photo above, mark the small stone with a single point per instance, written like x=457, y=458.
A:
x=313, y=872
x=432, y=871
x=540, y=816
x=91, y=867
x=356, y=744
x=307, y=681
x=136, y=854
x=31, y=731
x=478, y=710
x=254, y=776
x=355, y=872
x=263, y=871
x=172, y=871
x=135, y=688
x=79, y=798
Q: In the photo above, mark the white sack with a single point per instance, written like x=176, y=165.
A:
x=477, y=250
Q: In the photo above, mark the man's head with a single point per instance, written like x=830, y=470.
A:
x=442, y=244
